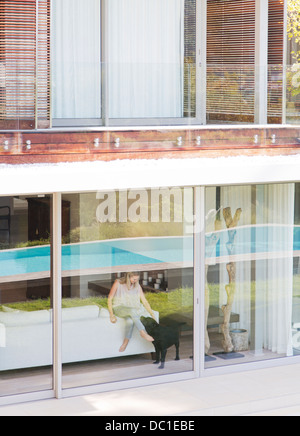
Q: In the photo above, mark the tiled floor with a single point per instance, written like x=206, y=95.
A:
x=98, y=371
x=274, y=391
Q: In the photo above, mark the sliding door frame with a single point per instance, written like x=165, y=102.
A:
x=199, y=370
x=57, y=293
x=55, y=284
x=57, y=390
x=199, y=310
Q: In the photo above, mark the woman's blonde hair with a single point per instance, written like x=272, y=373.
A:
x=126, y=279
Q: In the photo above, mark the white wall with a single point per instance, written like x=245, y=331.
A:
x=124, y=174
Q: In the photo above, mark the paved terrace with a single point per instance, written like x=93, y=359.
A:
x=269, y=391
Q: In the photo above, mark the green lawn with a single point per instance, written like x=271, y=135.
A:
x=178, y=301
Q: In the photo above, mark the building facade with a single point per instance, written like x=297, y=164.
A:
x=158, y=137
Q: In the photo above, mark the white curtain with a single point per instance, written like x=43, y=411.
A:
x=146, y=55
x=263, y=252
x=146, y=58
x=274, y=276
x=76, y=59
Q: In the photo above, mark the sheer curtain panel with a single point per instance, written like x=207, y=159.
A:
x=146, y=58
x=76, y=54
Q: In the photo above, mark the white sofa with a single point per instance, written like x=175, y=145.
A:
x=87, y=334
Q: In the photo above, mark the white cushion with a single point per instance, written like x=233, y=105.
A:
x=104, y=313
x=13, y=319
x=9, y=309
x=79, y=313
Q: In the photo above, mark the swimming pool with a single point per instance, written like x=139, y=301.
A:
x=149, y=251
x=93, y=255
x=254, y=239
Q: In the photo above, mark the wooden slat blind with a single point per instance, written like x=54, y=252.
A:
x=18, y=54
x=230, y=60
x=43, y=65
x=275, y=60
x=24, y=56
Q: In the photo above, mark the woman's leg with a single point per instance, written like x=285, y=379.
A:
x=132, y=318
x=124, y=345
x=140, y=326
x=129, y=326
x=122, y=312
x=145, y=336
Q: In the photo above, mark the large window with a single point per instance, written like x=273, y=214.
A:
x=129, y=273
x=108, y=323
x=141, y=64
x=25, y=295
x=252, y=263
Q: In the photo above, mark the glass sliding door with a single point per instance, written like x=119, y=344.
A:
x=252, y=263
x=127, y=267
x=76, y=61
x=25, y=295
x=296, y=274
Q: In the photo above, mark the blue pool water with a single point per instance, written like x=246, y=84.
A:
x=264, y=239
x=97, y=254
x=147, y=250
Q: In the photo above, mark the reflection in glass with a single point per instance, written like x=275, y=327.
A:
x=110, y=234
x=76, y=59
x=150, y=70
x=146, y=58
x=252, y=282
x=25, y=293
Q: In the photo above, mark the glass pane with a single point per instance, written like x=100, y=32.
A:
x=108, y=323
x=296, y=275
x=25, y=292
x=231, y=72
x=252, y=260
x=152, y=58
x=76, y=59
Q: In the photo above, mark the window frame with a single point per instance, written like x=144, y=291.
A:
x=246, y=176
x=200, y=63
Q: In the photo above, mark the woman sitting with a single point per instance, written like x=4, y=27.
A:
x=124, y=301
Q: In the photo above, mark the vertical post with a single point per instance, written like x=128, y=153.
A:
x=57, y=293
x=201, y=62
x=285, y=63
x=257, y=310
x=104, y=63
x=199, y=281
x=36, y=63
x=51, y=30
x=253, y=317
x=261, y=61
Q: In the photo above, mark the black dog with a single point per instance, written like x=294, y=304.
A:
x=164, y=338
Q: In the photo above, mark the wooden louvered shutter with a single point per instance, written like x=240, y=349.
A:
x=230, y=60
x=24, y=56
x=275, y=60
x=43, y=65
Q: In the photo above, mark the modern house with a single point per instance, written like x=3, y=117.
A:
x=152, y=136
